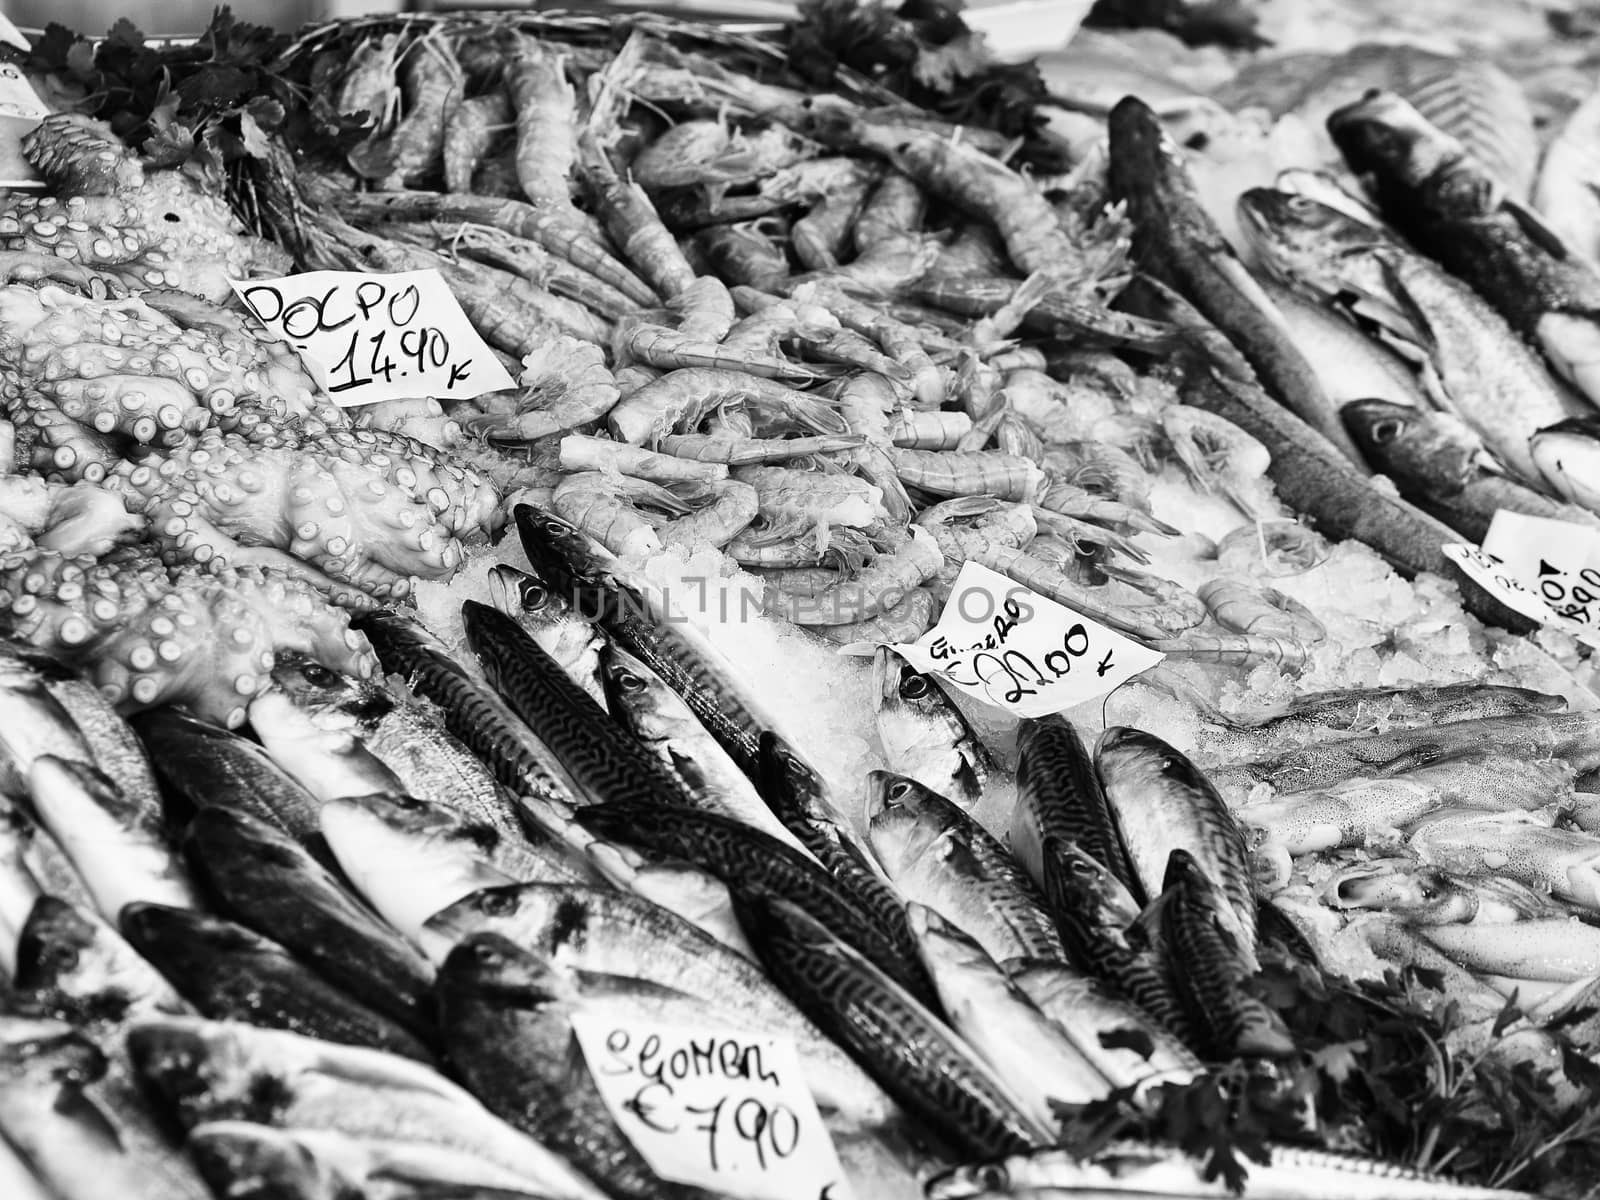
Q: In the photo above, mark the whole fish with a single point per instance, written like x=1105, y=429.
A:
x=1567, y=191
x=1572, y=737
x=472, y=711
x=1440, y=466
x=1317, y=716
x=240, y=1159
x=1059, y=794
x=74, y=1146
x=409, y=859
x=507, y=1024
x=32, y=723
x=940, y=857
x=1450, y=208
x=1480, y=368
x=1039, y=1063
x=79, y=969
x=1177, y=241
x=1151, y=1169
x=1349, y=364
x=221, y=1070
x=1117, y=1036
x=265, y=880
x=916, y=1058
x=429, y=762
x=209, y=766
x=659, y=720
x=1210, y=967
x=549, y=618
x=1422, y=895
x=231, y=974
x=923, y=734
x=671, y=647
x=680, y=887
x=577, y=730
x=118, y=849
x=1097, y=919
x=750, y=863
x=1567, y=456
x=1162, y=803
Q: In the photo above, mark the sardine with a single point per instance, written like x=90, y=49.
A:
x=1149, y=1169
x=1039, y=1063
x=673, y=648
x=506, y=1020
x=1451, y=209
x=577, y=731
x=429, y=762
x=210, y=766
x=79, y=969
x=265, y=880
x=659, y=720
x=1210, y=967
x=940, y=857
x=1059, y=795
x=1178, y=242
x=219, y=1070
x=551, y=621
x=1162, y=803
x=245, y=1161
x=231, y=974
x=914, y=1056
x=923, y=734
x=1567, y=455
x=118, y=849
x=409, y=859
x=752, y=863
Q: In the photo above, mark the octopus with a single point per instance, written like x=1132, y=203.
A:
x=146, y=634
x=150, y=229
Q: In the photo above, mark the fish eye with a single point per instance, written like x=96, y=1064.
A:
x=317, y=674
x=629, y=682
x=1387, y=429
x=899, y=790
x=534, y=595
x=992, y=1177
x=497, y=903
x=914, y=687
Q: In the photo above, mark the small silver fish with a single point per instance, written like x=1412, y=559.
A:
x=923, y=734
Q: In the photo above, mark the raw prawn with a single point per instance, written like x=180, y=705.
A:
x=682, y=398
x=746, y=452
x=793, y=501
x=740, y=251
x=532, y=262
x=819, y=237
x=580, y=453
x=412, y=150
x=1078, y=502
x=1234, y=649
x=546, y=113
x=1218, y=455
x=903, y=622
x=633, y=222
x=920, y=430
x=595, y=503
x=670, y=350
x=1244, y=607
x=981, y=473
x=771, y=549
x=733, y=507
x=872, y=591
x=469, y=130
x=704, y=310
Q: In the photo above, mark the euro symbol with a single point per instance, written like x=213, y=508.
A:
x=645, y=1111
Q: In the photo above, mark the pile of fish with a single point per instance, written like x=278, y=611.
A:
x=343, y=957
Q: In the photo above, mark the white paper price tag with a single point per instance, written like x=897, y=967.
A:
x=1001, y=643
x=17, y=97
x=1547, y=570
x=11, y=35
x=369, y=337
x=714, y=1108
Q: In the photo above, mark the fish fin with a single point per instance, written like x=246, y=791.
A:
x=1145, y=930
x=688, y=770
x=1410, y=760
x=1537, y=230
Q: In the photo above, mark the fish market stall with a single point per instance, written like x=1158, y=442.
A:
x=614, y=606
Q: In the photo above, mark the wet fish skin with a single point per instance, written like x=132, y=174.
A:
x=577, y=730
x=219, y=1070
x=1148, y=1169
x=659, y=720
x=1176, y=240
x=32, y=724
x=923, y=734
x=585, y=574
x=1161, y=802
x=429, y=762
x=1350, y=365
x=913, y=1055
x=1567, y=457
x=550, y=620
x=1313, y=248
x=507, y=1028
x=751, y=863
x=1316, y=715
x=1059, y=794
x=483, y=722
x=677, y=885
x=230, y=973
x=209, y=766
x=81, y=970
x=1210, y=965
x=940, y=857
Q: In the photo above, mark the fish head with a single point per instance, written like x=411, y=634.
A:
x=1567, y=454
x=175, y=937
x=394, y=634
x=904, y=818
x=331, y=698
x=487, y=964
x=208, y=1069
x=485, y=909
x=944, y=941
x=273, y=1161
x=1410, y=890
x=632, y=692
x=1300, y=239
x=1383, y=134
x=1136, y=758
x=1426, y=449
x=329, y=762
x=47, y=1051
x=560, y=553
x=66, y=957
x=972, y=1181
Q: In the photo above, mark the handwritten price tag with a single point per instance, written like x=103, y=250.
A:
x=1010, y=647
x=17, y=97
x=367, y=337
x=713, y=1108
x=1547, y=570
x=11, y=35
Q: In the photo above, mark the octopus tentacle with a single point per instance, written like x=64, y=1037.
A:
x=78, y=154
